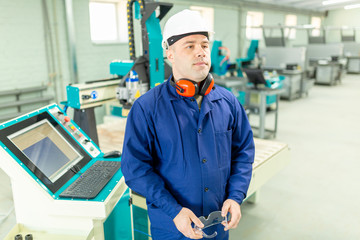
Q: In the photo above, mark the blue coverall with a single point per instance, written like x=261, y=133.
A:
x=177, y=156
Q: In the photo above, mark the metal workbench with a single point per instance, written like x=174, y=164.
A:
x=256, y=102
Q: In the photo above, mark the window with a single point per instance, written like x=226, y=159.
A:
x=108, y=23
x=316, y=23
x=208, y=14
x=290, y=20
x=254, y=19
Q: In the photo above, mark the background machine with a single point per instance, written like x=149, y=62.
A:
x=134, y=77
x=257, y=90
x=139, y=74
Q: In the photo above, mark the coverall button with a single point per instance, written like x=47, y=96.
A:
x=199, y=130
x=192, y=99
x=206, y=189
x=204, y=160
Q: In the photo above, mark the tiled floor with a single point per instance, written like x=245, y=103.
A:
x=316, y=196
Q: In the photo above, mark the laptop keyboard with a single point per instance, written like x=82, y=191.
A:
x=92, y=181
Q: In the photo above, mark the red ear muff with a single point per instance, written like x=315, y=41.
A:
x=186, y=88
x=207, y=85
x=208, y=90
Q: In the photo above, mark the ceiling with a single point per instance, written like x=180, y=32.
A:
x=314, y=5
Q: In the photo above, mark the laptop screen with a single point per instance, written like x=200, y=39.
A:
x=46, y=149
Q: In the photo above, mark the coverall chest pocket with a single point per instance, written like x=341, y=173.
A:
x=223, y=148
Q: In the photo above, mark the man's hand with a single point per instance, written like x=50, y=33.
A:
x=183, y=223
x=234, y=208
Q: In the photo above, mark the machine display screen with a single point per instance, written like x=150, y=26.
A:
x=46, y=149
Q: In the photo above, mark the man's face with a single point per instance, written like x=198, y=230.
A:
x=190, y=57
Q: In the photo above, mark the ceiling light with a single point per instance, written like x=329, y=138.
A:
x=352, y=6
x=329, y=2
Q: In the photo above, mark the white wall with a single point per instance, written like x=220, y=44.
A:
x=22, y=47
x=342, y=17
x=23, y=61
x=226, y=25
x=93, y=59
x=273, y=18
x=23, y=52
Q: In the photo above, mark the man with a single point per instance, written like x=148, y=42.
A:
x=188, y=146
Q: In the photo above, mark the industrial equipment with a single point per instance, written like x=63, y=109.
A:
x=252, y=54
x=227, y=74
x=353, y=65
x=134, y=76
x=221, y=65
x=262, y=97
x=328, y=61
x=230, y=75
x=243, y=82
x=44, y=152
x=150, y=67
x=352, y=53
x=272, y=40
x=289, y=62
x=84, y=97
x=348, y=37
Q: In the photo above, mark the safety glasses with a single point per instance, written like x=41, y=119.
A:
x=213, y=219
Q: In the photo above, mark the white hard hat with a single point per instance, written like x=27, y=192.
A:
x=183, y=23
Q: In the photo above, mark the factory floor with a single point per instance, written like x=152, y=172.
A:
x=317, y=195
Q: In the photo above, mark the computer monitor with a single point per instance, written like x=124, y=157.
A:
x=46, y=149
x=255, y=76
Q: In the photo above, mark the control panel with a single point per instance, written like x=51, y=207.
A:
x=75, y=131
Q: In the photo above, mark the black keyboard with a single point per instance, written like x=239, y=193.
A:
x=92, y=181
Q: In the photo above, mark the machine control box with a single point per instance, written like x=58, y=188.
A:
x=75, y=131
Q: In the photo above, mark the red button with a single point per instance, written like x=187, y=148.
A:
x=67, y=119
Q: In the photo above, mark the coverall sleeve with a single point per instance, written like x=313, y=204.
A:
x=137, y=163
x=242, y=155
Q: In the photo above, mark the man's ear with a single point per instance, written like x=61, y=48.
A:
x=170, y=55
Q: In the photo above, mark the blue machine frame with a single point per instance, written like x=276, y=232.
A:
x=152, y=37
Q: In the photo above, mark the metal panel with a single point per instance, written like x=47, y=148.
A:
x=324, y=51
x=354, y=65
x=351, y=49
x=315, y=40
x=70, y=27
x=278, y=57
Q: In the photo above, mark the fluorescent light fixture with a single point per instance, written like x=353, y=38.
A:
x=330, y=2
x=352, y=6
